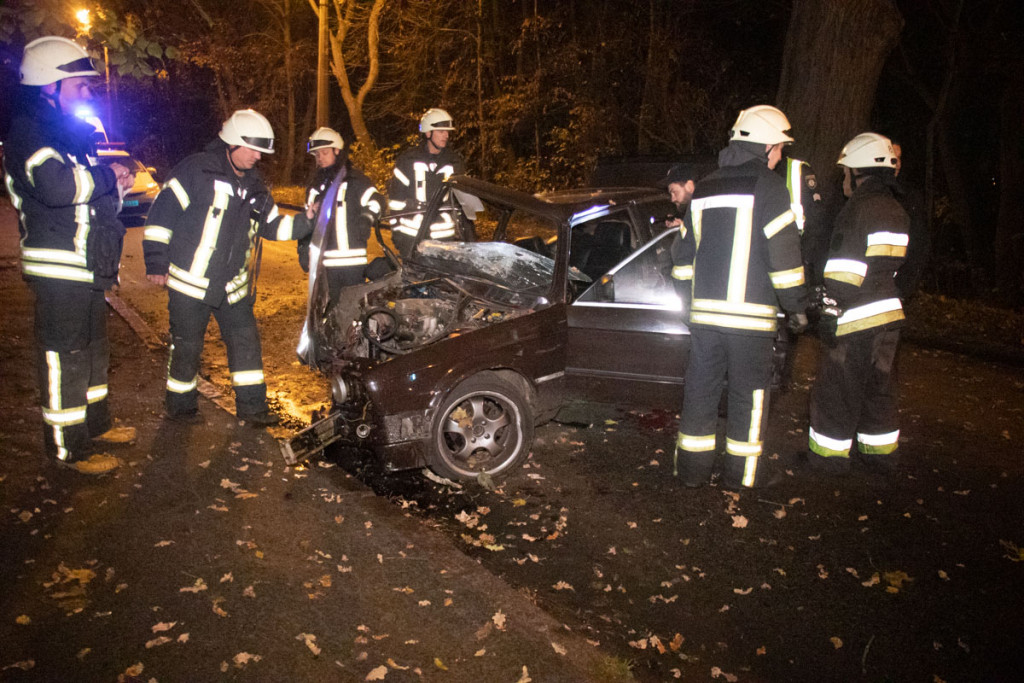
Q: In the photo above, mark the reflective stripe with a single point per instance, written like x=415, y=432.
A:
x=738, y=308
x=345, y=261
x=187, y=277
x=245, y=378
x=782, y=279
x=778, y=223
x=887, y=244
x=828, y=447
x=874, y=314
x=795, y=186
x=368, y=201
x=96, y=393
x=420, y=169
x=743, y=448
x=878, y=444
x=286, y=228
x=53, y=373
x=157, y=233
x=682, y=272
x=185, y=288
x=38, y=159
x=733, y=322
x=238, y=295
x=175, y=186
x=64, y=417
x=179, y=387
x=396, y=204
x=84, y=184
x=696, y=444
x=442, y=233
x=756, y=414
x=723, y=201
x=53, y=256
x=402, y=178
x=222, y=193
x=739, y=263
x=846, y=270
x=56, y=272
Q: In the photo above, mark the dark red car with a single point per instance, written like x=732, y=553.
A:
x=450, y=361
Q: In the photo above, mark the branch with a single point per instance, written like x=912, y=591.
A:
x=372, y=44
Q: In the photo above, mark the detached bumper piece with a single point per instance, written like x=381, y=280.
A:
x=336, y=427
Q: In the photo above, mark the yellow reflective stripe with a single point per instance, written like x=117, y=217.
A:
x=778, y=223
x=57, y=272
x=899, y=239
x=868, y=323
x=53, y=372
x=696, y=444
x=286, y=227
x=179, y=387
x=743, y=448
x=188, y=277
x=240, y=280
x=185, y=288
x=38, y=158
x=157, y=233
x=346, y=261
x=738, y=308
x=846, y=270
x=734, y=322
x=420, y=169
x=53, y=256
x=222, y=193
x=756, y=414
x=740, y=260
x=869, y=315
x=96, y=393
x=787, y=278
x=244, y=378
x=682, y=272
x=84, y=184
x=827, y=446
x=723, y=201
x=878, y=444
x=65, y=417
x=886, y=250
x=749, y=471
x=344, y=253
x=235, y=297
x=175, y=186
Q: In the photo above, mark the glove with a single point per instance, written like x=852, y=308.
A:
x=796, y=322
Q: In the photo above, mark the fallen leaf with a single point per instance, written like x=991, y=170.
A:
x=162, y=640
x=243, y=658
x=163, y=544
x=836, y=642
x=499, y=620
x=676, y=642
x=164, y=626
x=199, y=585
x=480, y=653
x=395, y=665
x=227, y=577
x=23, y=619
x=525, y=677
x=24, y=665
x=439, y=664
x=183, y=638
x=563, y=586
x=310, y=641
x=741, y=591
x=739, y=522
x=249, y=592
x=558, y=648
x=377, y=674
x=780, y=513
x=873, y=581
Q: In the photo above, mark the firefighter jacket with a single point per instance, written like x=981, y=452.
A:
x=66, y=203
x=742, y=251
x=203, y=227
x=358, y=206
x=869, y=243
x=804, y=198
x=909, y=275
x=417, y=175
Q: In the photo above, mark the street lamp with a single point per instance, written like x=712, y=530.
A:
x=84, y=17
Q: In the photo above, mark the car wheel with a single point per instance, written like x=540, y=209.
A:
x=485, y=426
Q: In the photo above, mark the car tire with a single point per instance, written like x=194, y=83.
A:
x=484, y=426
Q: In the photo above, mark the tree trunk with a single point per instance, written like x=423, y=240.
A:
x=833, y=57
x=1009, y=242
x=289, y=75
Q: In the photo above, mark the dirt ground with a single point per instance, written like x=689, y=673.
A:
x=914, y=578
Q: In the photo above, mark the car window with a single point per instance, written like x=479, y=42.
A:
x=597, y=245
x=645, y=278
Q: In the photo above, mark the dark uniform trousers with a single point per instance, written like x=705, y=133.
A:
x=746, y=360
x=855, y=390
x=71, y=340
x=189, y=319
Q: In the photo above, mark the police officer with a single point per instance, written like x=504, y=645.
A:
x=854, y=393
x=745, y=257
x=199, y=242
x=70, y=247
x=357, y=206
x=418, y=172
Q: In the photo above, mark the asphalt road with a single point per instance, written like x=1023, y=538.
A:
x=918, y=577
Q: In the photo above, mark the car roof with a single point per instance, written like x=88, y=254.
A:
x=558, y=205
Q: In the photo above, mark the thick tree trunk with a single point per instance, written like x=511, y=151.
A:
x=833, y=57
x=1009, y=242
x=289, y=74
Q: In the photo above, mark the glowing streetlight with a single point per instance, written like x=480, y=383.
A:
x=84, y=19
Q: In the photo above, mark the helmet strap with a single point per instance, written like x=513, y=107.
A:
x=231, y=148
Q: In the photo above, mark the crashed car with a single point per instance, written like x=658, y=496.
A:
x=451, y=360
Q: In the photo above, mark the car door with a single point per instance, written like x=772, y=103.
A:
x=627, y=337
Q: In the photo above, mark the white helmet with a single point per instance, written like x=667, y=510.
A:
x=436, y=119
x=325, y=137
x=763, y=123
x=249, y=128
x=51, y=58
x=868, y=150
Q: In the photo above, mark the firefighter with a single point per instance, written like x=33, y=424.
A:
x=70, y=248
x=200, y=240
x=326, y=147
x=854, y=393
x=744, y=250
x=357, y=206
x=418, y=172
x=805, y=200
